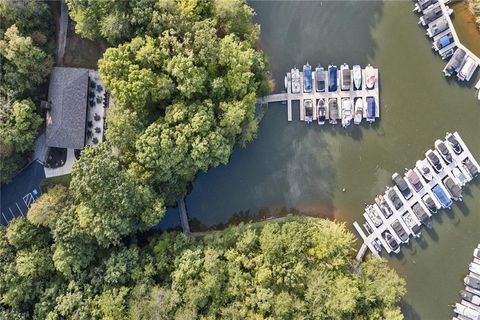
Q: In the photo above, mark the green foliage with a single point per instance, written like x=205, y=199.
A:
x=109, y=203
x=46, y=210
x=23, y=65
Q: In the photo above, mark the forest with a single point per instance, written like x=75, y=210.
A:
x=184, y=76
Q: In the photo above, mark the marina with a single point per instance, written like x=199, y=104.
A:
x=433, y=184
x=469, y=307
x=435, y=17
x=334, y=95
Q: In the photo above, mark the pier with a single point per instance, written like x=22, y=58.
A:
x=373, y=233
x=182, y=208
x=316, y=95
x=470, y=303
x=436, y=17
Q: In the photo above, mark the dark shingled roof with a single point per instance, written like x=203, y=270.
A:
x=67, y=94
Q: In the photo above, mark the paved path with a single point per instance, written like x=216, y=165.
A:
x=62, y=32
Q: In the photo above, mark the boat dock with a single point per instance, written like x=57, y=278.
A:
x=315, y=95
x=469, y=307
x=388, y=216
x=435, y=16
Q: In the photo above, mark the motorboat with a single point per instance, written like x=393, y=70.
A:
x=308, y=105
x=434, y=160
x=383, y=206
x=442, y=197
x=460, y=176
x=370, y=77
x=373, y=215
x=421, y=215
x=320, y=78
x=411, y=224
x=358, y=114
x=443, y=150
x=321, y=112
x=476, y=253
x=333, y=110
x=414, y=180
x=402, y=185
x=470, y=297
x=392, y=243
x=467, y=312
x=475, y=268
x=371, y=109
x=377, y=245
x=429, y=203
x=367, y=227
x=307, y=78
x=394, y=198
x=453, y=188
x=424, y=170
x=471, y=167
x=347, y=113
x=472, y=282
x=457, y=148
x=295, y=80
x=357, y=77
x=345, y=79
x=332, y=78
x=401, y=233
x=443, y=42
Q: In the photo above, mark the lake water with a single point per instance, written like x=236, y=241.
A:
x=305, y=167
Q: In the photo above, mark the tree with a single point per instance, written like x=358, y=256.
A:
x=22, y=65
x=46, y=210
x=109, y=203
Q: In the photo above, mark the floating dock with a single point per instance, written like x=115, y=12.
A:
x=435, y=16
x=469, y=307
x=314, y=95
x=385, y=220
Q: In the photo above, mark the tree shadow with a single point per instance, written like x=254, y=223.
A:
x=408, y=311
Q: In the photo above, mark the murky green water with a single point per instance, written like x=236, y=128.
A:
x=306, y=167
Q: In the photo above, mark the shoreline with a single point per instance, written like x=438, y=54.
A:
x=473, y=13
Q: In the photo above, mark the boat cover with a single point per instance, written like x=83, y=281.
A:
x=454, y=142
x=420, y=213
x=307, y=78
x=370, y=108
x=444, y=41
x=399, y=230
x=392, y=195
x=471, y=167
x=402, y=185
x=414, y=180
x=452, y=187
x=332, y=83
x=441, y=196
x=429, y=203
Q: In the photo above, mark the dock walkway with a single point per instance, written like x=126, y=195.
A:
x=182, y=208
x=374, y=234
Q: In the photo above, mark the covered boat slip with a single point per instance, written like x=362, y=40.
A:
x=315, y=95
x=415, y=200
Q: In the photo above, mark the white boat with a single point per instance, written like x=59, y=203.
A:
x=460, y=176
x=357, y=118
x=295, y=80
x=374, y=216
x=345, y=77
x=424, y=170
x=467, y=312
x=308, y=105
x=321, y=111
x=475, y=268
x=347, y=113
x=357, y=77
x=370, y=77
x=411, y=224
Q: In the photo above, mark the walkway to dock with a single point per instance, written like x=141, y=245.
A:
x=380, y=223
x=182, y=209
x=315, y=95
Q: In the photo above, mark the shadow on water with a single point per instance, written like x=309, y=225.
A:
x=408, y=311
